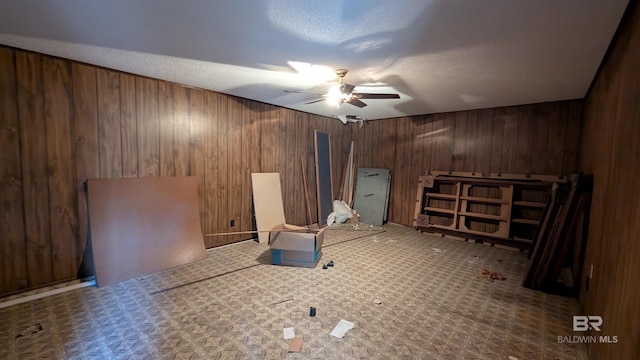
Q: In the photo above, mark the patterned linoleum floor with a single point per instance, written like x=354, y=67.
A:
x=234, y=305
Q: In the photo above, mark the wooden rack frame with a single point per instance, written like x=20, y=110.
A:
x=498, y=209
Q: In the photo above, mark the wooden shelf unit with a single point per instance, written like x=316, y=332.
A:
x=494, y=210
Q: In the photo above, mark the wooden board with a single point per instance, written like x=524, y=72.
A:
x=140, y=226
x=267, y=201
x=324, y=186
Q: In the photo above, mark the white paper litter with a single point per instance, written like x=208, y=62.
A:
x=341, y=329
x=289, y=333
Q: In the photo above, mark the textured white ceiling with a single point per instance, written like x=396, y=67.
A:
x=439, y=55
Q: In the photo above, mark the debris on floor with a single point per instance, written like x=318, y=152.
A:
x=30, y=330
x=341, y=329
x=289, y=333
x=328, y=265
x=436, y=250
x=492, y=275
x=295, y=344
x=377, y=302
x=281, y=301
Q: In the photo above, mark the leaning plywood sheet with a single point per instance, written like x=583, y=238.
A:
x=143, y=225
x=267, y=201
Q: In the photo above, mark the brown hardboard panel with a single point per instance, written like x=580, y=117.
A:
x=267, y=201
x=143, y=225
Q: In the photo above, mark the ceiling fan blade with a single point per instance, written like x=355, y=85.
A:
x=302, y=92
x=375, y=96
x=356, y=102
x=314, y=101
x=347, y=88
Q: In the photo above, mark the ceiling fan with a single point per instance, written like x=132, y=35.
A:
x=343, y=93
x=350, y=119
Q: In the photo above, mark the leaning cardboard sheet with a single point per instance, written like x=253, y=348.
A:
x=295, y=246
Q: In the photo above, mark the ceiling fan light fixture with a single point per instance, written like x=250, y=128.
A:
x=335, y=96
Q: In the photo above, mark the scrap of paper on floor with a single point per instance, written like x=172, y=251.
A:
x=341, y=329
x=289, y=333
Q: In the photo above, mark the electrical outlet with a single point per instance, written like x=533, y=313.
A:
x=232, y=223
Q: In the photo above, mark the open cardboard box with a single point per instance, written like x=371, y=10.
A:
x=295, y=246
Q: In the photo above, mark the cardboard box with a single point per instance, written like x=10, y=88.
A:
x=295, y=246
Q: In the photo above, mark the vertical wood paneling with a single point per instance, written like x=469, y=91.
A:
x=424, y=136
x=108, y=83
x=34, y=168
x=63, y=198
x=311, y=166
x=209, y=144
x=523, y=142
x=288, y=167
x=167, y=147
x=572, y=140
x=73, y=121
x=148, y=127
x=167, y=129
x=539, y=138
x=509, y=151
x=503, y=140
x=12, y=247
x=496, y=141
x=212, y=174
x=85, y=107
x=483, y=141
x=255, y=118
x=181, y=131
x=279, y=138
x=368, y=133
x=301, y=216
x=222, y=208
x=246, y=220
x=400, y=179
x=235, y=175
x=443, y=129
x=610, y=150
x=469, y=163
x=459, y=141
x=128, y=126
x=556, y=141
x=197, y=144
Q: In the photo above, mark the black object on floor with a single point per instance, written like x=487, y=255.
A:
x=330, y=263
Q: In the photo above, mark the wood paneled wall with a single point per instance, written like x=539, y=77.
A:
x=529, y=139
x=62, y=122
x=610, y=149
